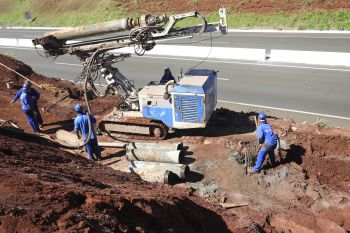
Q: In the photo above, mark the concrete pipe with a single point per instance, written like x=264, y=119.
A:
x=68, y=138
x=166, y=177
x=156, y=146
x=150, y=155
x=181, y=170
x=112, y=144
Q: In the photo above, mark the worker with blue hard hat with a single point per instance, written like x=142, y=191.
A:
x=28, y=106
x=267, y=141
x=81, y=126
x=34, y=95
x=167, y=75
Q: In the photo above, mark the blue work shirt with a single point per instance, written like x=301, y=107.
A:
x=166, y=79
x=266, y=134
x=26, y=101
x=32, y=93
x=81, y=125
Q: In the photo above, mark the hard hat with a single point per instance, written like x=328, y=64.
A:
x=78, y=108
x=262, y=116
x=167, y=68
x=27, y=85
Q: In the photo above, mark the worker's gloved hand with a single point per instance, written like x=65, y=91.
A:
x=260, y=145
x=12, y=101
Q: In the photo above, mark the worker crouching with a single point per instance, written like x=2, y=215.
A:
x=81, y=126
x=267, y=141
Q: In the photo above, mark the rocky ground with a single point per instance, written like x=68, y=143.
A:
x=45, y=189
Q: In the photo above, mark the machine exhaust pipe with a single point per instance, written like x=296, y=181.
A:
x=149, y=155
x=181, y=170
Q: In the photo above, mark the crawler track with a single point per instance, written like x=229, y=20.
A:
x=155, y=130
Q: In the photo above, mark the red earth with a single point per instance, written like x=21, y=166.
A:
x=45, y=189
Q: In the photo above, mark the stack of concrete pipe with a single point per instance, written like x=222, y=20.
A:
x=157, y=162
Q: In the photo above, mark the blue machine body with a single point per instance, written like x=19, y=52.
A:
x=191, y=102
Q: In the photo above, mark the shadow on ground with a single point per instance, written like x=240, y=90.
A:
x=223, y=122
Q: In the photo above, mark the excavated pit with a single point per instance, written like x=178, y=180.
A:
x=44, y=189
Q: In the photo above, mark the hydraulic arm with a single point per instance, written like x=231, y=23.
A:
x=143, y=33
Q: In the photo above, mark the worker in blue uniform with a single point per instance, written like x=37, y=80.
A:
x=28, y=108
x=81, y=126
x=267, y=142
x=35, y=98
x=167, y=76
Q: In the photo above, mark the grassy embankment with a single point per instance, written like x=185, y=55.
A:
x=73, y=13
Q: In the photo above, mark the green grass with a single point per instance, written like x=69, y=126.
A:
x=319, y=20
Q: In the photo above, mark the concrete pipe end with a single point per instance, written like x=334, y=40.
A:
x=184, y=172
x=181, y=157
x=170, y=177
x=180, y=146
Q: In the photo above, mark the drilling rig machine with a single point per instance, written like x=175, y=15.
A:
x=157, y=107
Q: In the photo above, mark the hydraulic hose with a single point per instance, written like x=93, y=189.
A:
x=87, y=100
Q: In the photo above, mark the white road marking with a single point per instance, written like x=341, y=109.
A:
x=286, y=110
x=208, y=60
x=212, y=61
x=288, y=36
x=20, y=48
x=68, y=64
x=72, y=64
x=247, y=63
x=289, y=31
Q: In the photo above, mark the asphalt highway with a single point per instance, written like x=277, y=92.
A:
x=301, y=92
x=332, y=42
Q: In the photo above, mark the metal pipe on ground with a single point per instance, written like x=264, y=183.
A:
x=181, y=170
x=157, y=146
x=153, y=155
x=166, y=177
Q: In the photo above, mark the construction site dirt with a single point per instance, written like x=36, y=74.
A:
x=46, y=189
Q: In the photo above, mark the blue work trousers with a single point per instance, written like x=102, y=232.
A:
x=32, y=120
x=37, y=114
x=265, y=149
x=93, y=148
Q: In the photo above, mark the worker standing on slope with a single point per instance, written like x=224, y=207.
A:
x=81, y=125
x=167, y=76
x=28, y=107
x=267, y=141
x=35, y=98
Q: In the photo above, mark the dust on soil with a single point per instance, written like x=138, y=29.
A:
x=254, y=6
x=308, y=190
